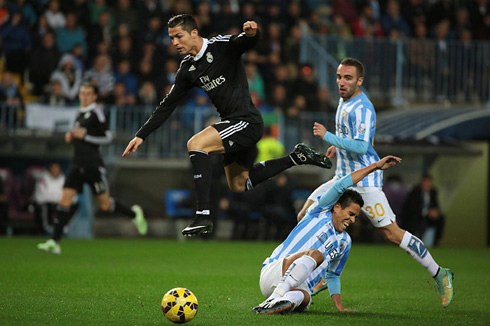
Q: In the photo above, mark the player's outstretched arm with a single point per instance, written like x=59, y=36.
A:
x=132, y=146
x=383, y=164
x=337, y=301
x=250, y=28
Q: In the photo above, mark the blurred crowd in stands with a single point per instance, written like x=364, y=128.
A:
x=49, y=47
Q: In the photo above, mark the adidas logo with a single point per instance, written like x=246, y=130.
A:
x=192, y=68
x=230, y=142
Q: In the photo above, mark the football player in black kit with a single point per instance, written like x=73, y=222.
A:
x=216, y=66
x=90, y=131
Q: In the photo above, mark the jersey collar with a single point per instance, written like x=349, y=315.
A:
x=203, y=49
x=88, y=108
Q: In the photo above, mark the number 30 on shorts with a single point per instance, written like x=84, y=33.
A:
x=377, y=211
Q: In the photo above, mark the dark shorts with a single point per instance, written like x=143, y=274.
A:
x=240, y=141
x=95, y=177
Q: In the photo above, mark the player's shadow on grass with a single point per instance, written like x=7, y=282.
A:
x=359, y=315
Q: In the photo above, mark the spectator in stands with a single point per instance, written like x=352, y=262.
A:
x=125, y=14
x=46, y=196
x=101, y=31
x=44, y=60
x=11, y=99
x=170, y=70
x=97, y=7
x=3, y=205
x=422, y=214
x=54, y=16
x=153, y=32
x=443, y=74
x=205, y=19
x=101, y=75
x=255, y=81
x=307, y=85
x=28, y=12
x=346, y=9
x=41, y=29
x=393, y=19
x=480, y=17
x=291, y=48
x=414, y=12
x=16, y=43
x=462, y=22
x=440, y=10
x=396, y=192
x=324, y=101
x=70, y=35
x=120, y=96
x=420, y=58
x=366, y=25
x=269, y=147
x=123, y=74
x=55, y=96
x=279, y=98
x=69, y=75
x=9, y=91
x=125, y=51
x=81, y=10
x=4, y=12
x=149, y=8
x=147, y=95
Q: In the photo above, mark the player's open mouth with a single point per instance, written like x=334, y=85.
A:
x=346, y=224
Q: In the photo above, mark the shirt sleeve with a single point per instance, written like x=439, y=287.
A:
x=363, y=123
x=335, y=269
x=166, y=106
x=357, y=146
x=241, y=43
x=329, y=198
x=100, y=133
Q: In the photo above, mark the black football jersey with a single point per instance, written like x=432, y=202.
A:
x=217, y=69
x=93, y=120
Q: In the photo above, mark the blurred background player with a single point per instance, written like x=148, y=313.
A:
x=90, y=131
x=317, y=246
x=215, y=65
x=355, y=122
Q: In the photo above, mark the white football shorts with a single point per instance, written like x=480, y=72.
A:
x=376, y=204
x=271, y=275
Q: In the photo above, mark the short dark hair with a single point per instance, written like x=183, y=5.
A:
x=186, y=21
x=354, y=63
x=94, y=87
x=350, y=196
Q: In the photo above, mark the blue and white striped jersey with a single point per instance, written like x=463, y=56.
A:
x=316, y=231
x=356, y=119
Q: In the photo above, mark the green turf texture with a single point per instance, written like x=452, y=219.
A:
x=122, y=282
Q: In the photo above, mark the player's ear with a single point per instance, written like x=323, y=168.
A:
x=194, y=33
x=359, y=81
x=336, y=207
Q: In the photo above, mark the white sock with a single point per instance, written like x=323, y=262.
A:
x=416, y=248
x=296, y=274
x=296, y=297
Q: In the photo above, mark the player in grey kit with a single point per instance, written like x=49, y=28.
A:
x=215, y=65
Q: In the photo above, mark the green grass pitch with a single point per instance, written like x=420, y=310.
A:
x=122, y=282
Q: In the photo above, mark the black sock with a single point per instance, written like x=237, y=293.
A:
x=62, y=217
x=267, y=169
x=202, y=170
x=120, y=207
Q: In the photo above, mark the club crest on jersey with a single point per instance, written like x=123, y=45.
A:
x=362, y=129
x=209, y=57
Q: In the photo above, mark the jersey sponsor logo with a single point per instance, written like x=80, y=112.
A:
x=209, y=84
x=362, y=129
x=192, y=68
x=343, y=129
x=209, y=57
x=331, y=250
